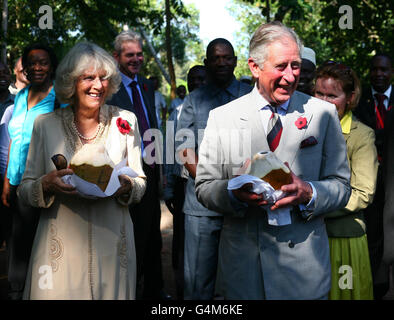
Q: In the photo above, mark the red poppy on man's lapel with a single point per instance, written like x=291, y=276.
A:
x=301, y=123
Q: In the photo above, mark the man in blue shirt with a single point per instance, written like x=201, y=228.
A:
x=203, y=226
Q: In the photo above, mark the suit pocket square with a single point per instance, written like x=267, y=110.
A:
x=308, y=142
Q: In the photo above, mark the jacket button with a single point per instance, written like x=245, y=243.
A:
x=291, y=244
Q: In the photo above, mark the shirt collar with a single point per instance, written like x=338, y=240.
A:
x=232, y=88
x=346, y=122
x=387, y=93
x=127, y=80
x=262, y=103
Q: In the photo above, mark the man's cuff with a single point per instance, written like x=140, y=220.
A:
x=307, y=210
x=236, y=204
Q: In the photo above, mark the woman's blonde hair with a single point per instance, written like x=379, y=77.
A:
x=77, y=61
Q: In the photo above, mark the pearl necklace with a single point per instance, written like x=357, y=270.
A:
x=82, y=136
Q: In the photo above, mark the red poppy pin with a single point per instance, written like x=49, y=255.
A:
x=124, y=126
x=145, y=87
x=301, y=123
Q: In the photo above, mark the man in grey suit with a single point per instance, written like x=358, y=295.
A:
x=258, y=260
x=202, y=226
x=136, y=94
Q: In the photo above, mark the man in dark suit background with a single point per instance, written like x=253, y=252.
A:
x=136, y=94
x=375, y=110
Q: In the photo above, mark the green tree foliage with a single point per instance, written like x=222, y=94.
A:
x=249, y=18
x=317, y=23
x=373, y=25
x=186, y=45
x=73, y=20
x=100, y=21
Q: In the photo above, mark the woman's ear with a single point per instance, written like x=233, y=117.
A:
x=350, y=99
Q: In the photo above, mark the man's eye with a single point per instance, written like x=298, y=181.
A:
x=296, y=66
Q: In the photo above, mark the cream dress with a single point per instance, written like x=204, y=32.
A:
x=83, y=248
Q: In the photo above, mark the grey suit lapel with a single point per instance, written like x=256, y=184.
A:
x=251, y=119
x=291, y=135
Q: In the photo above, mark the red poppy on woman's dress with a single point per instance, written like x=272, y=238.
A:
x=124, y=126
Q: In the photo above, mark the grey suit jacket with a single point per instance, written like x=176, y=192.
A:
x=194, y=116
x=257, y=260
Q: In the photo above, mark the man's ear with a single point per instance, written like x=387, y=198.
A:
x=205, y=62
x=115, y=54
x=254, y=68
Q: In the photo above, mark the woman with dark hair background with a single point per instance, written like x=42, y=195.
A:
x=39, y=65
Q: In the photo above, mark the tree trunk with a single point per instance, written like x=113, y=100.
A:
x=268, y=10
x=4, y=16
x=169, y=50
x=153, y=51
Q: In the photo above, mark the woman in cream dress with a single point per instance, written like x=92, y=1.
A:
x=83, y=248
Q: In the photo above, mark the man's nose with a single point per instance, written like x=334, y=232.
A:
x=379, y=72
x=288, y=74
x=221, y=61
x=134, y=58
x=37, y=66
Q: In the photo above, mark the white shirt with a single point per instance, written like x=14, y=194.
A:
x=160, y=103
x=126, y=82
x=5, y=138
x=264, y=110
x=387, y=94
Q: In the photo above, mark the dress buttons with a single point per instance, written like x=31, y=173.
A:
x=291, y=244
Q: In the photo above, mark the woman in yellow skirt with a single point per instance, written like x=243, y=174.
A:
x=350, y=265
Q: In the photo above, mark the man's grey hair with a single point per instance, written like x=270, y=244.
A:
x=78, y=60
x=126, y=36
x=265, y=35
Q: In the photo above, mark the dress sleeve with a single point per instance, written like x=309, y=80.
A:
x=30, y=188
x=138, y=184
x=364, y=167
